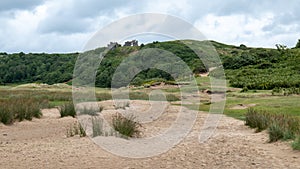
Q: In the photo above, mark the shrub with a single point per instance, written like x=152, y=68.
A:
x=67, y=109
x=245, y=89
x=126, y=125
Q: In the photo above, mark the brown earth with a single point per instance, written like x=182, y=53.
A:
x=42, y=143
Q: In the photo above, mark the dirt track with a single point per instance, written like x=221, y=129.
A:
x=42, y=143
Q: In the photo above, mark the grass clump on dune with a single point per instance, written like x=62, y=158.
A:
x=67, y=109
x=20, y=109
x=126, y=125
x=279, y=126
x=92, y=111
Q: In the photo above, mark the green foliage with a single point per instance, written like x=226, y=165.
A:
x=254, y=68
x=298, y=44
x=265, y=69
x=243, y=47
x=67, y=109
x=44, y=68
x=126, y=125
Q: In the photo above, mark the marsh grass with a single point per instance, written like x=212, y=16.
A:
x=126, y=126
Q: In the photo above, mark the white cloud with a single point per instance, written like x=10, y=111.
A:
x=240, y=28
x=65, y=26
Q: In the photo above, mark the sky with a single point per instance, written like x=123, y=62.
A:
x=61, y=26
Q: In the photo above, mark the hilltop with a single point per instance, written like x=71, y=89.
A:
x=245, y=67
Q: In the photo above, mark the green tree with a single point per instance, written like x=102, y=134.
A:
x=298, y=44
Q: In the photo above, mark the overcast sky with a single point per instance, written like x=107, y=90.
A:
x=67, y=25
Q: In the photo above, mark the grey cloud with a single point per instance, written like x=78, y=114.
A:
x=78, y=16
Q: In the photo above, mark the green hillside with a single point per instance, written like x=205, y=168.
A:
x=251, y=68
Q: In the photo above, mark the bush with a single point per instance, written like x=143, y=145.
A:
x=245, y=89
x=126, y=125
x=67, y=109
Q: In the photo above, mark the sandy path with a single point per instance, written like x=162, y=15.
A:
x=42, y=143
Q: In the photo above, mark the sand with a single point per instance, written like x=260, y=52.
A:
x=42, y=143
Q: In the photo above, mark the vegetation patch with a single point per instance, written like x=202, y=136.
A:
x=97, y=126
x=76, y=129
x=279, y=126
x=20, y=109
x=126, y=126
x=92, y=111
x=67, y=109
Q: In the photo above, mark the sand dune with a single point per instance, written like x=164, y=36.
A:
x=42, y=143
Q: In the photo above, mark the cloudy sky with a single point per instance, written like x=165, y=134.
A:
x=66, y=25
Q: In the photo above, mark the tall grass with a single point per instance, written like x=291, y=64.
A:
x=97, y=126
x=76, y=129
x=258, y=120
x=279, y=126
x=121, y=104
x=126, y=126
x=20, y=109
x=296, y=143
x=67, y=109
x=92, y=111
